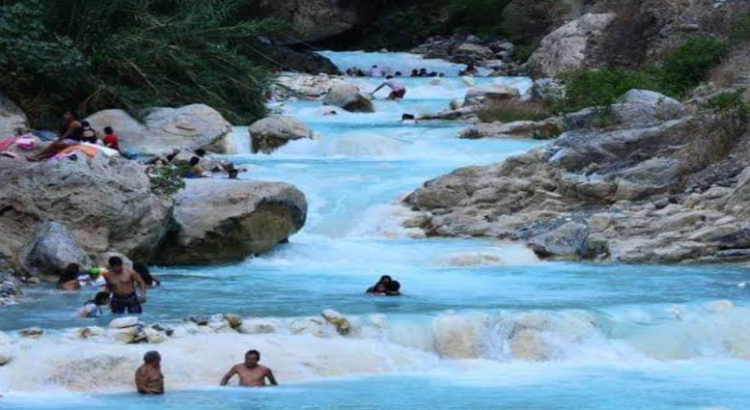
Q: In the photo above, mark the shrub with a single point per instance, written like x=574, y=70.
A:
x=688, y=65
x=724, y=120
x=132, y=54
x=739, y=32
x=511, y=111
x=167, y=181
x=600, y=88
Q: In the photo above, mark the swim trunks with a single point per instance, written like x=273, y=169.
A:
x=121, y=303
x=399, y=94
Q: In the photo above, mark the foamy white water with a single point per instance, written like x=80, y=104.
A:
x=481, y=325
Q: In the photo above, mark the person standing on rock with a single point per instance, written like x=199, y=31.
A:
x=149, y=378
x=251, y=373
x=122, y=283
x=398, y=90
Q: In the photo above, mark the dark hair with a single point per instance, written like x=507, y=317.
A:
x=253, y=352
x=374, y=66
x=408, y=117
x=151, y=357
x=85, y=124
x=384, y=277
x=233, y=173
x=144, y=273
x=398, y=73
x=194, y=161
x=73, y=113
x=70, y=273
x=108, y=130
x=100, y=299
x=200, y=152
x=115, y=261
x=388, y=77
x=394, y=286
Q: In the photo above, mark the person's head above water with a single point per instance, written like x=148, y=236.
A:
x=200, y=152
x=194, y=161
x=252, y=357
x=385, y=279
x=389, y=77
x=71, y=273
x=115, y=263
x=152, y=358
x=393, y=287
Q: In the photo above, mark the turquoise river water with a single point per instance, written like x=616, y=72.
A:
x=481, y=325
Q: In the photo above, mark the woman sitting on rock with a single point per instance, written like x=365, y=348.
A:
x=72, y=134
x=69, y=278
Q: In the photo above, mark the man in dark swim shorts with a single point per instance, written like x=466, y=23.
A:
x=122, y=283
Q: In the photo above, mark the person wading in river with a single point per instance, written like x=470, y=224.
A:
x=251, y=373
x=398, y=90
x=122, y=283
x=149, y=378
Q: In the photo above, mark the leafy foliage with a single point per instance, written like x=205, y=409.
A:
x=600, y=88
x=132, y=54
x=167, y=181
x=689, y=64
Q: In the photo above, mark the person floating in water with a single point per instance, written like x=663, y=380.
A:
x=122, y=283
x=251, y=373
x=93, y=308
x=149, y=378
x=398, y=90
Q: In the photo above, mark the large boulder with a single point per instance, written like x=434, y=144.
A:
x=51, y=250
x=270, y=133
x=105, y=203
x=348, y=97
x=166, y=129
x=11, y=118
x=571, y=46
x=227, y=220
x=316, y=20
x=549, y=128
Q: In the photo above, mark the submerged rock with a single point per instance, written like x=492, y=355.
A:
x=339, y=321
x=218, y=221
x=490, y=94
x=348, y=97
x=124, y=322
x=270, y=133
x=32, y=332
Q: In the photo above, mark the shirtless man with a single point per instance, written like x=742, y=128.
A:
x=122, y=283
x=398, y=90
x=251, y=374
x=149, y=378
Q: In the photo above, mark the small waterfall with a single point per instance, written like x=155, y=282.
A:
x=241, y=141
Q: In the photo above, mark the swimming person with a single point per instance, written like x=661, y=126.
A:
x=375, y=71
x=122, y=283
x=251, y=373
x=393, y=289
x=382, y=286
x=93, y=308
x=148, y=378
x=398, y=90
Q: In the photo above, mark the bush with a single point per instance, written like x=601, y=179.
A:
x=167, y=181
x=511, y=111
x=688, y=65
x=739, y=31
x=132, y=54
x=600, y=88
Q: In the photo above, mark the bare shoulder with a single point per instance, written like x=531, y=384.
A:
x=265, y=369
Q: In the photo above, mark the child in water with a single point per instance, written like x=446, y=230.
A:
x=93, y=308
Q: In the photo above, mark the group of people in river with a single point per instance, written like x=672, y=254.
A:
x=120, y=288
x=377, y=71
x=149, y=378
x=386, y=286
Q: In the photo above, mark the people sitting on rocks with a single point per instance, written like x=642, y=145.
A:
x=194, y=169
x=69, y=278
x=88, y=134
x=111, y=140
x=469, y=70
x=149, y=379
x=145, y=274
x=123, y=282
x=375, y=71
x=250, y=373
x=93, y=308
x=72, y=134
x=398, y=90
